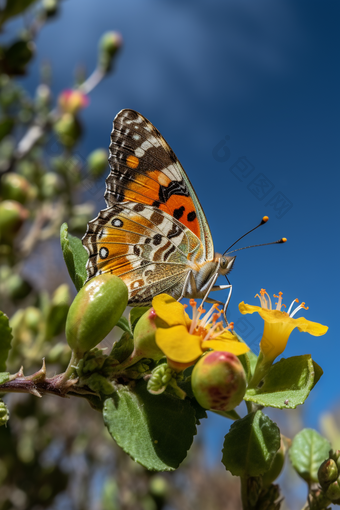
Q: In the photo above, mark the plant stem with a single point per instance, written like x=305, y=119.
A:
x=244, y=493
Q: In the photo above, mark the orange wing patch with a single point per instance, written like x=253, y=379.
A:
x=183, y=209
x=132, y=161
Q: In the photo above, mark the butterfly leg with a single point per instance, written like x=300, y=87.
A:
x=225, y=305
x=210, y=287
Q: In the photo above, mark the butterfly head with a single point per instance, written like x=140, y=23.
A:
x=225, y=263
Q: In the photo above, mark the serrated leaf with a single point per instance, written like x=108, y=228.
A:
x=5, y=340
x=156, y=431
x=250, y=445
x=135, y=315
x=309, y=449
x=287, y=384
x=75, y=256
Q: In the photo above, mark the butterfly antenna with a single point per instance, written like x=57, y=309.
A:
x=280, y=241
x=263, y=221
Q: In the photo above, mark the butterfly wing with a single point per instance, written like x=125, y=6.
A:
x=146, y=247
x=145, y=170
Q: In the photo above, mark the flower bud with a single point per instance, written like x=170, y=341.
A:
x=50, y=7
x=97, y=162
x=50, y=185
x=12, y=216
x=218, y=381
x=16, y=187
x=144, y=337
x=4, y=413
x=333, y=491
x=71, y=101
x=159, y=489
x=328, y=472
x=17, y=287
x=43, y=96
x=160, y=378
x=109, y=45
x=68, y=129
x=33, y=318
x=95, y=311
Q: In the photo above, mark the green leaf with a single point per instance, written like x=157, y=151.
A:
x=6, y=126
x=5, y=340
x=287, y=383
x=317, y=373
x=307, y=452
x=123, y=324
x=122, y=349
x=156, y=431
x=250, y=445
x=135, y=315
x=185, y=385
x=14, y=8
x=4, y=377
x=75, y=256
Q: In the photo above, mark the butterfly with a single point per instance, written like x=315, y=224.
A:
x=153, y=234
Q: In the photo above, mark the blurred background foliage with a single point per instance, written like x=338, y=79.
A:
x=56, y=453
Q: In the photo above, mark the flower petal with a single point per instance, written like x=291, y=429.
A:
x=169, y=310
x=248, y=308
x=178, y=345
x=313, y=328
x=232, y=346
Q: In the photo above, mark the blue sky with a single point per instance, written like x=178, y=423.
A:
x=266, y=75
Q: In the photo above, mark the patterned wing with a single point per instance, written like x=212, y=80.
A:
x=144, y=169
x=147, y=248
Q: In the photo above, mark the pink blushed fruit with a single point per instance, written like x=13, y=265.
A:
x=144, y=337
x=218, y=381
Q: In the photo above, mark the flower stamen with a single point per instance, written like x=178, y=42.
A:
x=303, y=305
x=279, y=304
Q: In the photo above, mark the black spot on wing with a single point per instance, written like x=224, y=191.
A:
x=191, y=216
x=178, y=213
x=157, y=239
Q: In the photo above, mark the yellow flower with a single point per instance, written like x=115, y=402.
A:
x=183, y=340
x=278, y=324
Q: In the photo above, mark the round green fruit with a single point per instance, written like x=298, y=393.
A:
x=95, y=311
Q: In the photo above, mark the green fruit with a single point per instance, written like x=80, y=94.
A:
x=97, y=162
x=68, y=129
x=17, y=287
x=145, y=337
x=33, y=318
x=218, y=381
x=95, y=311
x=16, y=187
x=12, y=216
x=50, y=185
